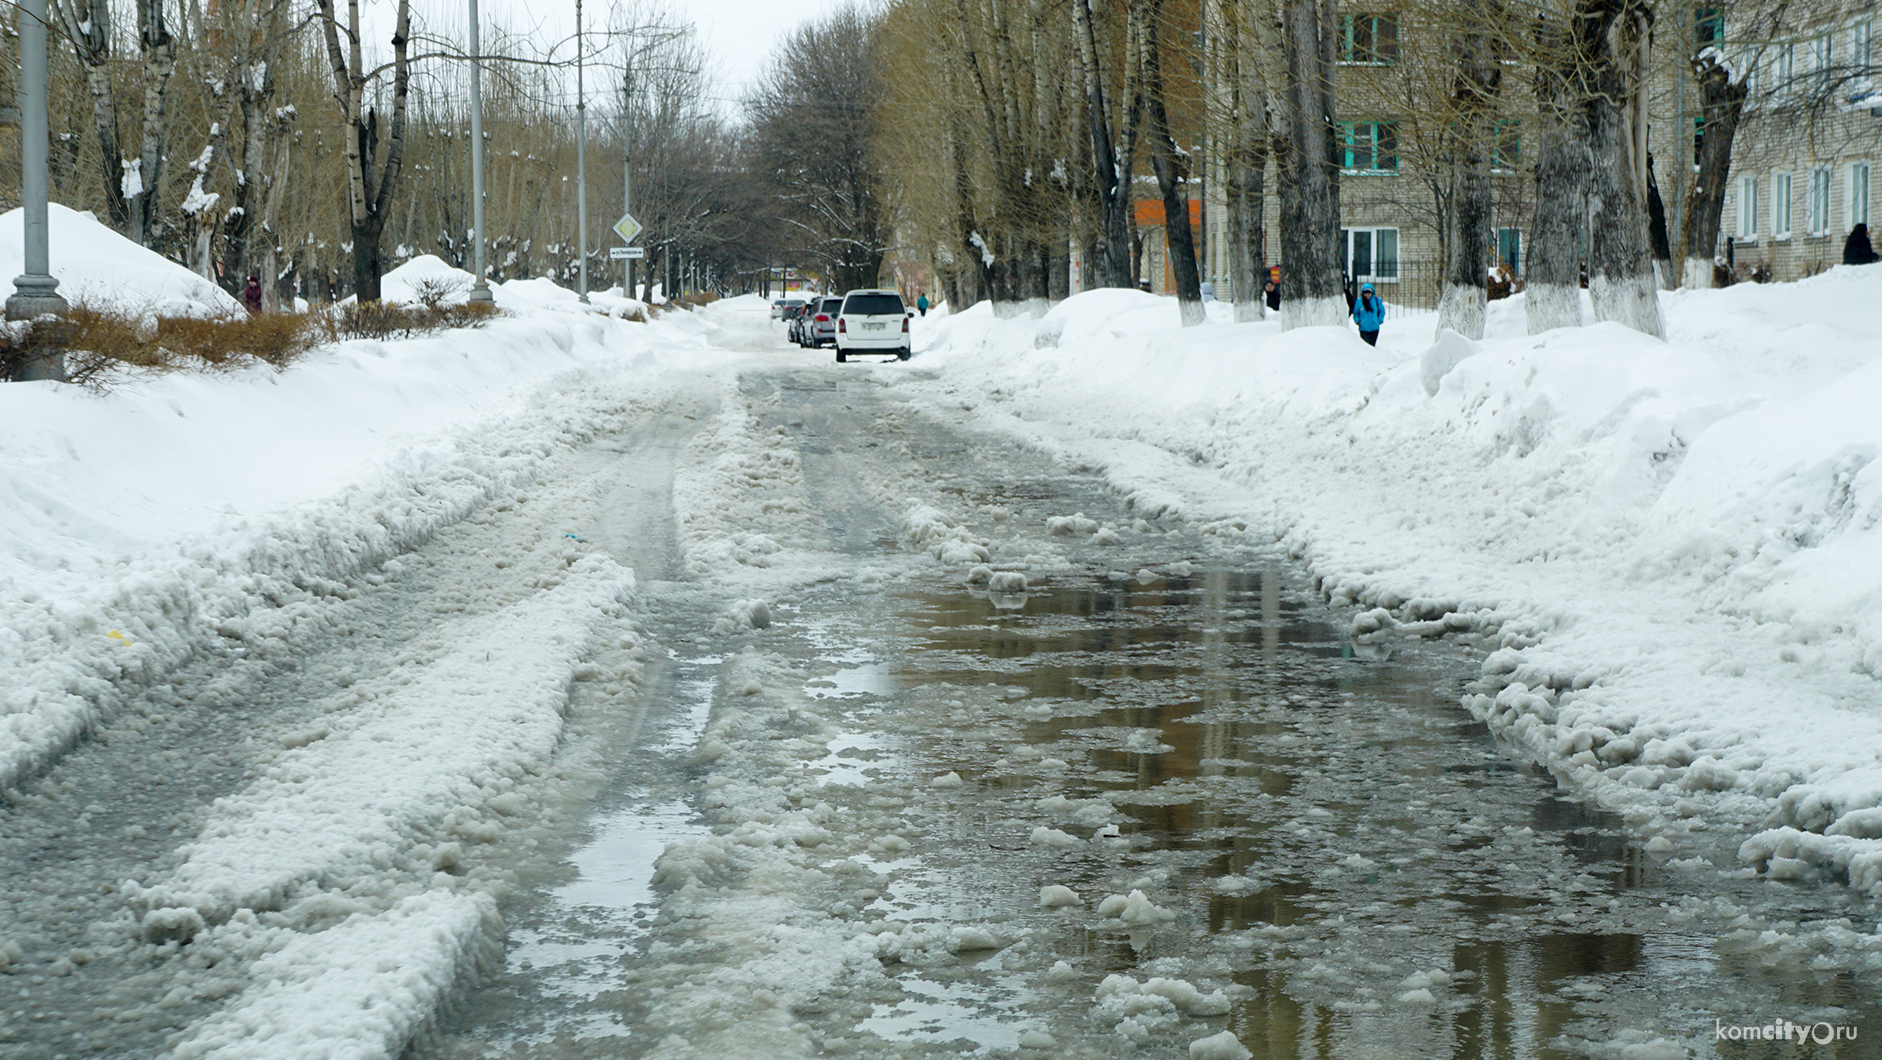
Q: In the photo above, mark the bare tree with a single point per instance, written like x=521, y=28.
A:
x=1170, y=169
x=372, y=177
x=813, y=123
x=1112, y=169
x=1247, y=62
x=142, y=177
x=1553, y=293
x=1611, y=38
x=87, y=24
x=1310, y=169
x=1476, y=83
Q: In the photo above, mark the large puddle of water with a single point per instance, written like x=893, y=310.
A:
x=1336, y=838
x=1335, y=845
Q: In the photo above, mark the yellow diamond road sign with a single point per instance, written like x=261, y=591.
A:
x=627, y=228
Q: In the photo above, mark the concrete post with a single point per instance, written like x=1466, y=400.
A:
x=480, y=290
x=35, y=292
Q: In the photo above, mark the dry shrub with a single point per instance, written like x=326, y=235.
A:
x=101, y=343
x=276, y=339
x=392, y=320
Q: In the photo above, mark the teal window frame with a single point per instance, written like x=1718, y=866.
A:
x=1369, y=146
x=1506, y=146
x=1369, y=39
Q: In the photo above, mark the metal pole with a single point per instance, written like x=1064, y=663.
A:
x=627, y=175
x=35, y=292
x=480, y=290
x=581, y=155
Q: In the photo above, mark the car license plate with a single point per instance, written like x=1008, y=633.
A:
x=874, y=327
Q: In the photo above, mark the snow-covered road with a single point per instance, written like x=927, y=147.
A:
x=741, y=704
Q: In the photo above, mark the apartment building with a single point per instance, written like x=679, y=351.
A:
x=1393, y=145
x=1809, y=137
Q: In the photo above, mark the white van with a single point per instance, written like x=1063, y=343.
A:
x=872, y=321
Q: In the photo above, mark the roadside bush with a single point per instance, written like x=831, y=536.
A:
x=102, y=343
x=392, y=320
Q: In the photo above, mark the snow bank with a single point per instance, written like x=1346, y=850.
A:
x=409, y=760
x=96, y=266
x=135, y=527
x=338, y=993
x=1671, y=548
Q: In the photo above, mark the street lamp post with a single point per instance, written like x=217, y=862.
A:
x=480, y=290
x=35, y=292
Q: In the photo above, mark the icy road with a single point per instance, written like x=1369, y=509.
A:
x=789, y=713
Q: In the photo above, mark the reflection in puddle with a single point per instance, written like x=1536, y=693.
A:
x=1359, y=857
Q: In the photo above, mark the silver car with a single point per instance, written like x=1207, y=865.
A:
x=821, y=327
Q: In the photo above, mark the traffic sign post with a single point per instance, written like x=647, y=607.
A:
x=627, y=228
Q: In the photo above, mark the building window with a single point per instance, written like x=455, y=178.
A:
x=1698, y=142
x=1506, y=147
x=1509, y=250
x=1371, y=253
x=1748, y=207
x=1708, y=26
x=1859, y=40
x=1817, y=56
x=1780, y=205
x=1817, y=203
x=1858, y=194
x=1369, y=39
x=1783, y=67
x=1369, y=146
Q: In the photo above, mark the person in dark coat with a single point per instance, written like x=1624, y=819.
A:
x=1368, y=313
x=251, y=295
x=1857, y=250
x=1272, y=291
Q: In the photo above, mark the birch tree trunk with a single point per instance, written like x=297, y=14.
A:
x=277, y=148
x=1113, y=178
x=1179, y=238
x=87, y=24
x=141, y=183
x=1310, y=173
x=1476, y=81
x=1721, y=101
x=371, y=183
x=1246, y=171
x=1552, y=293
x=1621, y=285
x=200, y=204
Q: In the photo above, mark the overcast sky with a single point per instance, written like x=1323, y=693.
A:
x=740, y=36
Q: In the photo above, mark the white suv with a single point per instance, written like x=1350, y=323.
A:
x=872, y=321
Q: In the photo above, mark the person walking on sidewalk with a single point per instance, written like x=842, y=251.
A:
x=1368, y=313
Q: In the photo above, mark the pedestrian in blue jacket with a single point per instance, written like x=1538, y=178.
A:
x=1368, y=313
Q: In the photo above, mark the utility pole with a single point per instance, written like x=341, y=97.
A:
x=35, y=292
x=627, y=181
x=480, y=290
x=581, y=156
